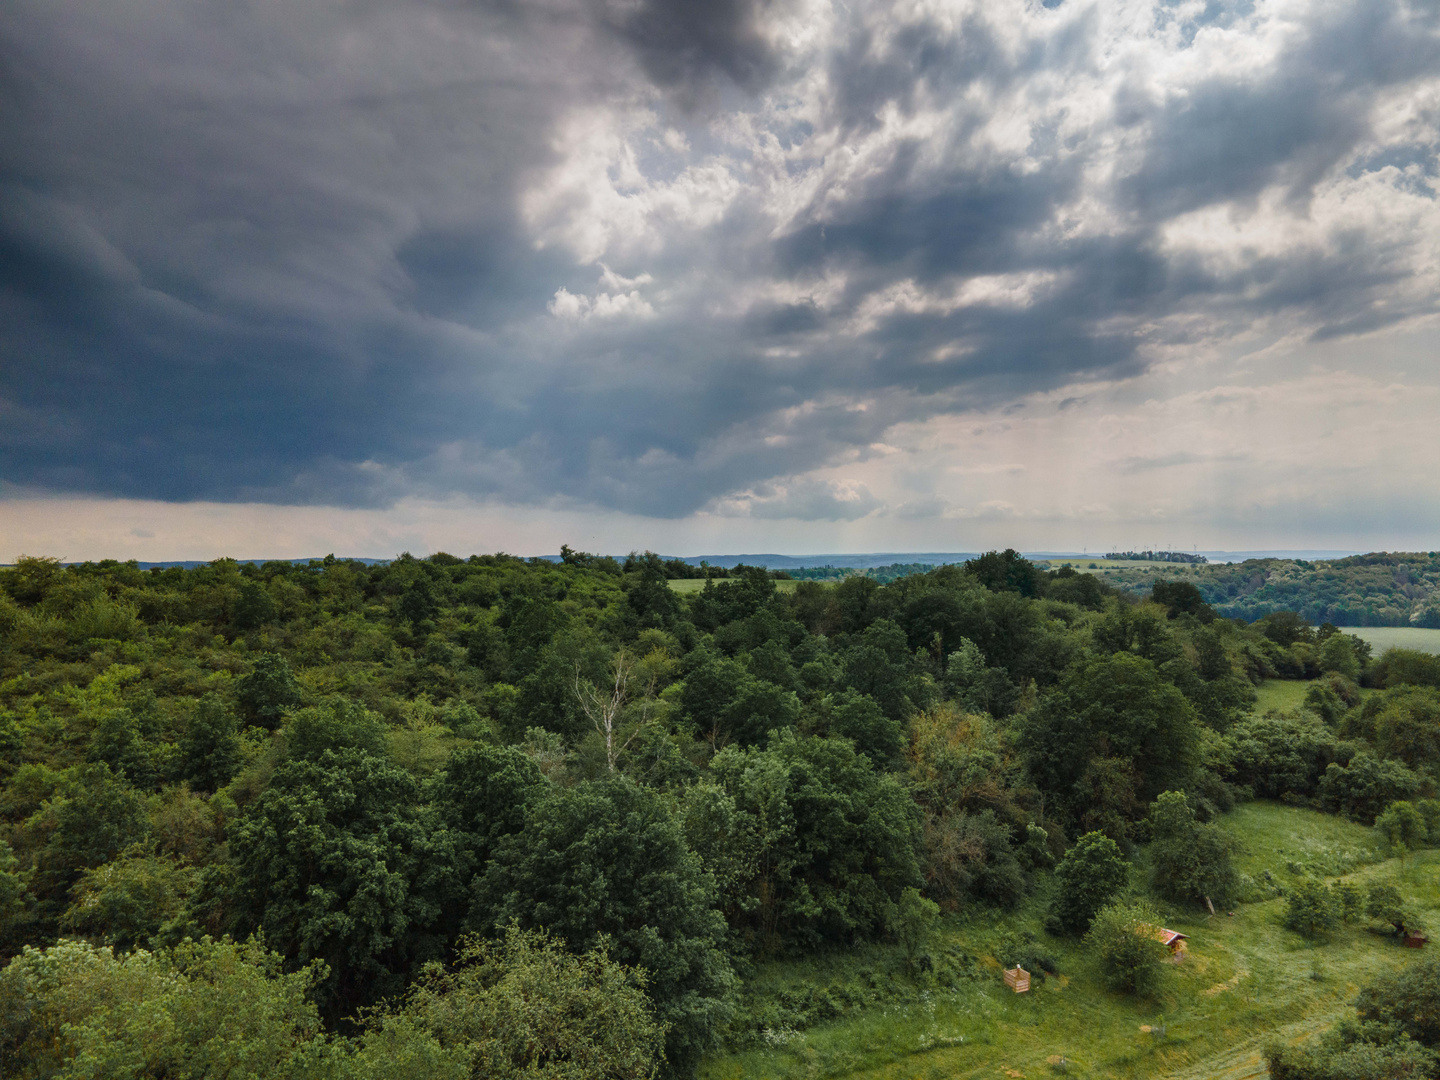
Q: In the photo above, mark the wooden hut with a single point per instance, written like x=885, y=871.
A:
x=1174, y=941
x=1018, y=979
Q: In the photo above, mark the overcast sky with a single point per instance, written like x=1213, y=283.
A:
x=738, y=275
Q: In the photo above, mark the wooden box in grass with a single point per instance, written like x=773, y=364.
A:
x=1018, y=979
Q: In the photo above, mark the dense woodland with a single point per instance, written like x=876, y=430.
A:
x=501, y=817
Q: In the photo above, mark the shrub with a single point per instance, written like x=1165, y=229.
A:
x=1407, y=997
x=1126, y=940
x=524, y=1007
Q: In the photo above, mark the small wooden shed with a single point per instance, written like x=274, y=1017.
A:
x=1018, y=979
x=1174, y=941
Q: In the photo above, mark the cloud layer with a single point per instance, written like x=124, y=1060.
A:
x=730, y=258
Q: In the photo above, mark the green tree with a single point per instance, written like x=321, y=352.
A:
x=911, y=920
x=1005, y=571
x=1312, y=909
x=96, y=817
x=335, y=724
x=1125, y=938
x=210, y=746
x=524, y=1007
x=267, y=691
x=860, y=720
x=1407, y=997
x=1086, y=879
x=1408, y=726
x=836, y=839
x=1111, y=707
x=206, y=1010
x=1385, y=903
x=1403, y=827
x=125, y=902
x=607, y=859
x=1189, y=860
x=325, y=860
x=1366, y=786
x=254, y=607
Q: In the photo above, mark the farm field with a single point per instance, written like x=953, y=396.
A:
x=1247, y=979
x=1398, y=637
x=688, y=586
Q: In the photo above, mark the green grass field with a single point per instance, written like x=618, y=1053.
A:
x=1280, y=694
x=687, y=586
x=1398, y=637
x=1247, y=979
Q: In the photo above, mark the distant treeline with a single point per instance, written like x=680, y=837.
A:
x=1379, y=589
x=1157, y=556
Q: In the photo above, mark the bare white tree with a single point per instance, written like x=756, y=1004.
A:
x=604, y=707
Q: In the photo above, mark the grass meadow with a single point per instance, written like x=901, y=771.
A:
x=1398, y=637
x=1247, y=979
x=686, y=586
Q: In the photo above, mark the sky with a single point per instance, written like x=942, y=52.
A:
x=713, y=276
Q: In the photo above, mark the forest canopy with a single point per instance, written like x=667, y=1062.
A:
x=373, y=793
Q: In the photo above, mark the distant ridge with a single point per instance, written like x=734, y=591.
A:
x=861, y=561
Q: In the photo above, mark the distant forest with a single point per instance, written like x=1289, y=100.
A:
x=336, y=818
x=1379, y=589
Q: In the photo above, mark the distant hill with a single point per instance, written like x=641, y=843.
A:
x=1378, y=589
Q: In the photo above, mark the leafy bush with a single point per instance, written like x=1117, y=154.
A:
x=1126, y=940
x=524, y=1007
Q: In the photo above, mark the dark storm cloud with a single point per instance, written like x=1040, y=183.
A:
x=648, y=256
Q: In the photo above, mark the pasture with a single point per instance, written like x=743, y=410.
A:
x=689, y=586
x=1280, y=695
x=1247, y=979
x=1398, y=637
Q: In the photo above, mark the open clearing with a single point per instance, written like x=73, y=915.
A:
x=1247, y=980
x=1397, y=637
x=694, y=585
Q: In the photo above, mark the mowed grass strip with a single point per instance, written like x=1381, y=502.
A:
x=1247, y=979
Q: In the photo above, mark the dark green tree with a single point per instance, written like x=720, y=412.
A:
x=1111, y=707
x=608, y=860
x=836, y=839
x=254, y=607
x=860, y=720
x=1086, y=879
x=1005, y=571
x=325, y=860
x=210, y=747
x=268, y=691
x=1189, y=860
